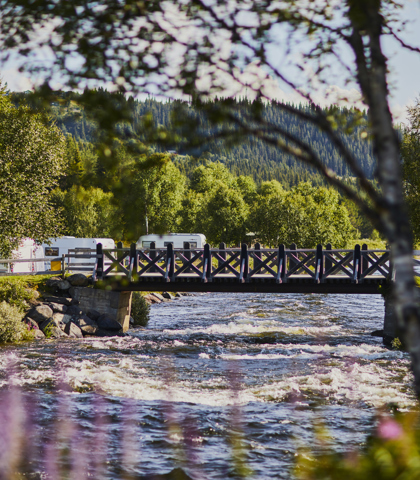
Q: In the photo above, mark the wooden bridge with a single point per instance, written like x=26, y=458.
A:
x=264, y=270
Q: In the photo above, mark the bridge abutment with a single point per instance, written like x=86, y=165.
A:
x=116, y=305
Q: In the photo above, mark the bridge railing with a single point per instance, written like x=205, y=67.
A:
x=243, y=264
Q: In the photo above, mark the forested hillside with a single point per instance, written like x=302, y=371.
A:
x=249, y=157
x=143, y=175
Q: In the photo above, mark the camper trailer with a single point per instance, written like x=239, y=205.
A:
x=81, y=246
x=28, y=249
x=178, y=240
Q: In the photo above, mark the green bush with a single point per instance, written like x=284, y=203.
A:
x=16, y=293
x=139, y=309
x=12, y=329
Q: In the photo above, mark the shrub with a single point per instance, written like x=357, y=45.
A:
x=16, y=293
x=12, y=329
x=139, y=309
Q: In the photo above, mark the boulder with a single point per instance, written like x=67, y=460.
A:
x=377, y=333
x=40, y=313
x=74, y=310
x=82, y=320
x=51, y=329
x=78, y=280
x=168, y=296
x=73, y=331
x=63, y=285
x=89, y=330
x=158, y=296
x=60, y=319
x=61, y=300
x=57, y=307
x=107, y=323
x=178, y=295
x=151, y=299
x=56, y=332
x=38, y=334
x=52, y=281
x=93, y=314
x=86, y=324
x=35, y=294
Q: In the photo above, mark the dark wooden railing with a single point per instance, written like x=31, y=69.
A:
x=243, y=265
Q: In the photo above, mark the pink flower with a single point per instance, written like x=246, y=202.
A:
x=389, y=429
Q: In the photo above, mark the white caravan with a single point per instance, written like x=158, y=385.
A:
x=28, y=249
x=81, y=246
x=178, y=240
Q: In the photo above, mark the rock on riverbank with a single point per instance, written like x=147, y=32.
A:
x=58, y=315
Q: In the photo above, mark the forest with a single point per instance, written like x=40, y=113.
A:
x=231, y=191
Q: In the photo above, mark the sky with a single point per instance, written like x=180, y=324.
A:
x=404, y=77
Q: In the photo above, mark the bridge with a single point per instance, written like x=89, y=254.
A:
x=259, y=270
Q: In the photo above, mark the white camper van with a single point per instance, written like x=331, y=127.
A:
x=81, y=246
x=28, y=249
x=178, y=240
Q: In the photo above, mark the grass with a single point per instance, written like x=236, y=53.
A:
x=373, y=244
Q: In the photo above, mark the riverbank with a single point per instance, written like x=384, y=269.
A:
x=50, y=307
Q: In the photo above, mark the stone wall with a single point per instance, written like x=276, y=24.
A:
x=116, y=305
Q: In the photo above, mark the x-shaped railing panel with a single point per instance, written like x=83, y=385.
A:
x=378, y=264
x=263, y=264
x=116, y=262
x=226, y=263
x=340, y=262
x=300, y=265
x=188, y=264
x=150, y=263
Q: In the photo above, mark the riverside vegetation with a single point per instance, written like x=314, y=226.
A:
x=223, y=193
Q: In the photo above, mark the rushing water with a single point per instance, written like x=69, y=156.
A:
x=264, y=366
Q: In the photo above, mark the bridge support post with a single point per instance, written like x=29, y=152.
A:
x=222, y=253
x=170, y=262
x=319, y=264
x=187, y=254
x=281, y=265
x=100, y=257
x=134, y=261
x=244, y=265
x=257, y=257
x=357, y=265
x=206, y=264
x=152, y=255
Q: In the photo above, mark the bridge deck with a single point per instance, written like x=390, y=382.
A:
x=261, y=284
x=242, y=270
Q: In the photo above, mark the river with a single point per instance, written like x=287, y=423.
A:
x=211, y=378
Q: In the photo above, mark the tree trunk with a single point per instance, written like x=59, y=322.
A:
x=371, y=73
